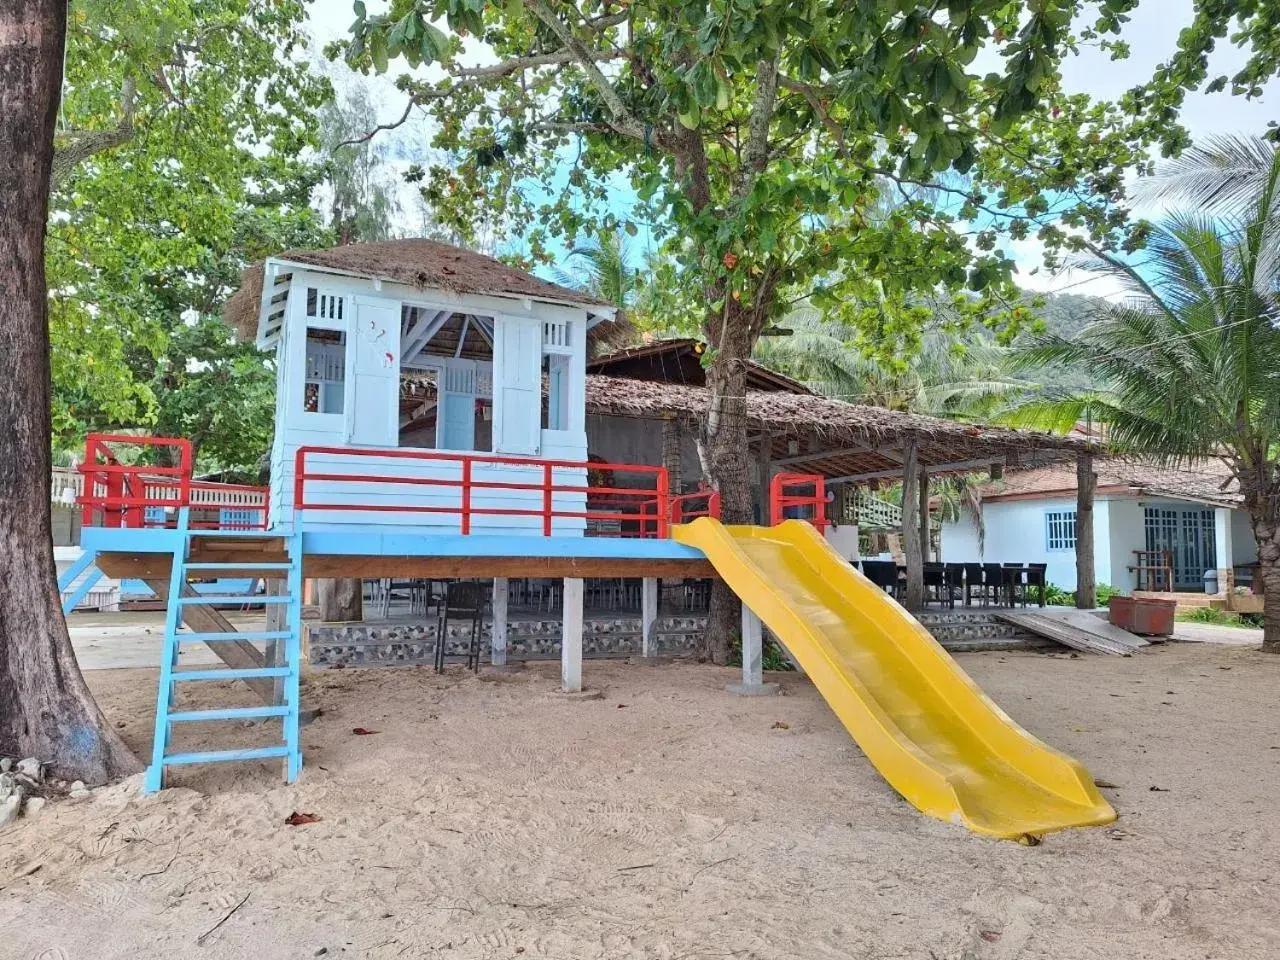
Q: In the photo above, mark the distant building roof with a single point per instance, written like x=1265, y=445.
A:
x=679, y=361
x=1199, y=481
x=420, y=263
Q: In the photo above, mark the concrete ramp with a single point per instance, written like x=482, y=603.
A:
x=1078, y=629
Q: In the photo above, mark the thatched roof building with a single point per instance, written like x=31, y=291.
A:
x=420, y=263
x=842, y=441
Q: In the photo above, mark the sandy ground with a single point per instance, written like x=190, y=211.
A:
x=491, y=819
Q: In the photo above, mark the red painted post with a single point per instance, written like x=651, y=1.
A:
x=664, y=511
x=466, y=496
x=546, y=498
x=299, y=478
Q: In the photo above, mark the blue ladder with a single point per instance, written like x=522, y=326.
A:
x=286, y=707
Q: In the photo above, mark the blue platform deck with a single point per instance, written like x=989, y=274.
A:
x=381, y=552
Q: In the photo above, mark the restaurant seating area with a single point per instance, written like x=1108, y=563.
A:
x=985, y=584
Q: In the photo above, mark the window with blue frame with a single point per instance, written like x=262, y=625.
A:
x=1060, y=529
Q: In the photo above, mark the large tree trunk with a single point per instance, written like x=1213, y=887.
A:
x=727, y=456
x=1260, y=487
x=340, y=601
x=45, y=708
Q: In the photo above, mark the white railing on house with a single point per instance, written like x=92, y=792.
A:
x=869, y=512
x=68, y=484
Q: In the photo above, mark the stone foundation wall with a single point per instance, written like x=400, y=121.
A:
x=406, y=644
x=397, y=644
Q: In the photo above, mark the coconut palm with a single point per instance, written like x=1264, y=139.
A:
x=603, y=267
x=1191, y=359
x=962, y=377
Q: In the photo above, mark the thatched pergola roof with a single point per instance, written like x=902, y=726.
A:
x=423, y=264
x=842, y=441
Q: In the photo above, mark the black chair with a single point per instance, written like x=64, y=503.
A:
x=1015, y=582
x=883, y=573
x=993, y=577
x=1036, y=577
x=955, y=576
x=973, y=580
x=935, y=576
x=464, y=600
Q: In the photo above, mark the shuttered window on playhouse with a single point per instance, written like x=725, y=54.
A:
x=1060, y=529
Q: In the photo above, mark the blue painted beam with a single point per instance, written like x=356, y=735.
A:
x=224, y=756
x=228, y=713
x=82, y=564
x=247, y=674
x=234, y=635
x=82, y=591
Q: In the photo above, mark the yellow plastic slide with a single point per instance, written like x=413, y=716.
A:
x=926, y=726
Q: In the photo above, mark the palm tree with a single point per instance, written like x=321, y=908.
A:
x=961, y=377
x=1191, y=360
x=604, y=269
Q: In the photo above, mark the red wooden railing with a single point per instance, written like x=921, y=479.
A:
x=690, y=506
x=782, y=496
x=647, y=508
x=117, y=494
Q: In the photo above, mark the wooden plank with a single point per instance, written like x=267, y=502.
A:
x=320, y=565
x=236, y=654
x=1067, y=634
x=145, y=566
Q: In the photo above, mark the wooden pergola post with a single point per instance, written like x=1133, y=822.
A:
x=924, y=515
x=1086, y=483
x=910, y=523
x=764, y=467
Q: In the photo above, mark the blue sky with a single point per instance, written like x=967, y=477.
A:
x=1152, y=35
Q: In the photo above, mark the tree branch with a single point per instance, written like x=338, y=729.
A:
x=624, y=122
x=516, y=64
x=755, y=152
x=811, y=94
x=366, y=137
x=79, y=145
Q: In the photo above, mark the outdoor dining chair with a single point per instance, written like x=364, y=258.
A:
x=1015, y=583
x=883, y=573
x=935, y=578
x=464, y=601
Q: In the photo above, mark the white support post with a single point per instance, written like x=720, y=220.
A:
x=753, y=684
x=648, y=615
x=498, y=636
x=1224, y=549
x=571, y=640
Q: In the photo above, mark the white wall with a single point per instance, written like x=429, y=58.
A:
x=1244, y=549
x=1016, y=533
x=295, y=427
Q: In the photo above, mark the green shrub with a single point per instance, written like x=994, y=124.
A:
x=771, y=655
x=1055, y=596
x=1221, y=618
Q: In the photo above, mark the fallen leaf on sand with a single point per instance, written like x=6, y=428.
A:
x=781, y=725
x=991, y=936
x=297, y=819
x=362, y=732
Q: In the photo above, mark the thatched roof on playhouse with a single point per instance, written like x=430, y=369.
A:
x=420, y=263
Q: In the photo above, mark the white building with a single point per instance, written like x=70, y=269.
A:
x=504, y=356
x=1192, y=513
